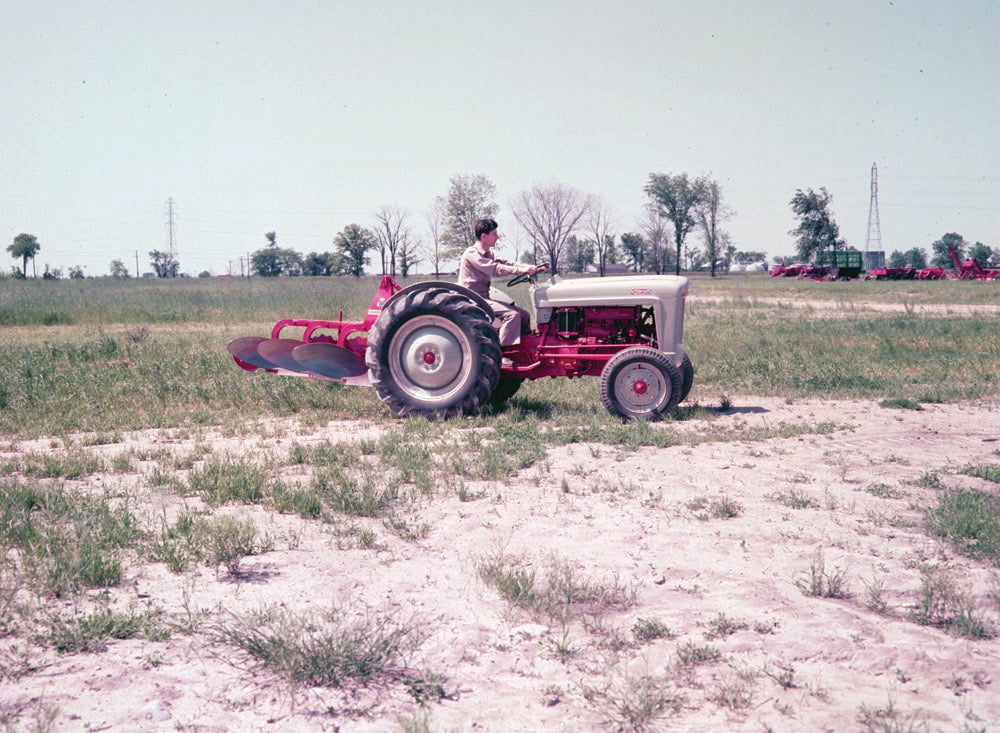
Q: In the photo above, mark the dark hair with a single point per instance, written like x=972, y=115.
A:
x=485, y=226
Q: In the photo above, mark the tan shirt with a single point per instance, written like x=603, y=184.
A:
x=477, y=267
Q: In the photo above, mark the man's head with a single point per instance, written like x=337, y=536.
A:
x=485, y=226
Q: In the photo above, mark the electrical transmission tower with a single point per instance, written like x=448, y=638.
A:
x=171, y=216
x=874, y=254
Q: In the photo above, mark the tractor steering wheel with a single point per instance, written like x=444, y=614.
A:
x=519, y=278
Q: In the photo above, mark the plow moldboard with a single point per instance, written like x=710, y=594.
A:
x=279, y=352
x=245, y=349
x=328, y=360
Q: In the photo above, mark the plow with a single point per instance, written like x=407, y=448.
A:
x=432, y=348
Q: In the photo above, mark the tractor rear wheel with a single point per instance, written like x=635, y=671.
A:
x=506, y=388
x=640, y=382
x=687, y=377
x=433, y=352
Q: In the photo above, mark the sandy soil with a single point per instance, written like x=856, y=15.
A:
x=642, y=519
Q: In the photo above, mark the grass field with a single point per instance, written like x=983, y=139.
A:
x=125, y=429
x=107, y=355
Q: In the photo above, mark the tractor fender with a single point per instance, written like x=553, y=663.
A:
x=438, y=284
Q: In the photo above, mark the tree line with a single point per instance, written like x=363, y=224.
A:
x=555, y=224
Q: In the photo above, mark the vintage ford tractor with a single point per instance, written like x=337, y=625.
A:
x=432, y=349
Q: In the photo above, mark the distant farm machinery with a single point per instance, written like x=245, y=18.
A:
x=969, y=269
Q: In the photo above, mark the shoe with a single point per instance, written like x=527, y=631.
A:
x=507, y=363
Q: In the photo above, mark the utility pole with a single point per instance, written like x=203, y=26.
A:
x=137, y=273
x=874, y=254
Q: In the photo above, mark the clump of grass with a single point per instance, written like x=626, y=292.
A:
x=71, y=464
x=736, y=691
x=335, y=648
x=561, y=594
x=227, y=480
x=889, y=720
x=883, y=491
x=941, y=603
x=645, y=630
x=875, y=596
x=67, y=540
x=722, y=626
x=822, y=583
x=228, y=540
x=970, y=521
x=795, y=499
x=635, y=703
x=90, y=632
x=725, y=508
x=986, y=472
x=690, y=654
x=900, y=403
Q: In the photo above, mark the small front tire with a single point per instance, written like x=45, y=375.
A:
x=640, y=383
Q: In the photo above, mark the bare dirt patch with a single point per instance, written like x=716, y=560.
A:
x=849, y=501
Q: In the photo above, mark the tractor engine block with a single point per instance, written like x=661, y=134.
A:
x=601, y=325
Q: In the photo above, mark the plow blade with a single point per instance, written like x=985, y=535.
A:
x=279, y=353
x=328, y=360
x=245, y=350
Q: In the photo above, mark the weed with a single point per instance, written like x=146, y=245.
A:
x=725, y=508
x=690, y=654
x=987, y=473
x=334, y=648
x=227, y=480
x=883, y=491
x=929, y=480
x=783, y=675
x=795, y=499
x=430, y=687
x=874, y=596
x=645, y=630
x=722, y=626
x=824, y=584
x=941, y=603
x=736, y=691
x=228, y=540
x=635, y=703
x=970, y=521
x=890, y=720
x=900, y=403
x=90, y=632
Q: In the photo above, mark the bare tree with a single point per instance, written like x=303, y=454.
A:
x=711, y=212
x=435, y=247
x=655, y=230
x=549, y=213
x=600, y=222
x=390, y=233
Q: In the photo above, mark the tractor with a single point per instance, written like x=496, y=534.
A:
x=431, y=348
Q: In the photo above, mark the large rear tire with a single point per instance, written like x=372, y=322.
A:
x=433, y=352
x=640, y=383
x=687, y=377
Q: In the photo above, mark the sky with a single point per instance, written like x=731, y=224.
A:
x=304, y=117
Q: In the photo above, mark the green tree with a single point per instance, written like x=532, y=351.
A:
x=897, y=259
x=634, y=249
x=272, y=260
x=164, y=264
x=76, y=273
x=25, y=246
x=817, y=231
x=118, y=270
x=407, y=257
x=749, y=257
x=470, y=198
x=915, y=257
x=353, y=245
x=676, y=198
x=981, y=252
x=941, y=256
x=320, y=265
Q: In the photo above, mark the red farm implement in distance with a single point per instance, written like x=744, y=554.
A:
x=970, y=269
x=432, y=348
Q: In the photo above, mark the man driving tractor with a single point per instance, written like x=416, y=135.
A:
x=479, y=264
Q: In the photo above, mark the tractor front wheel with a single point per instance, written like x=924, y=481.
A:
x=435, y=353
x=687, y=377
x=640, y=382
